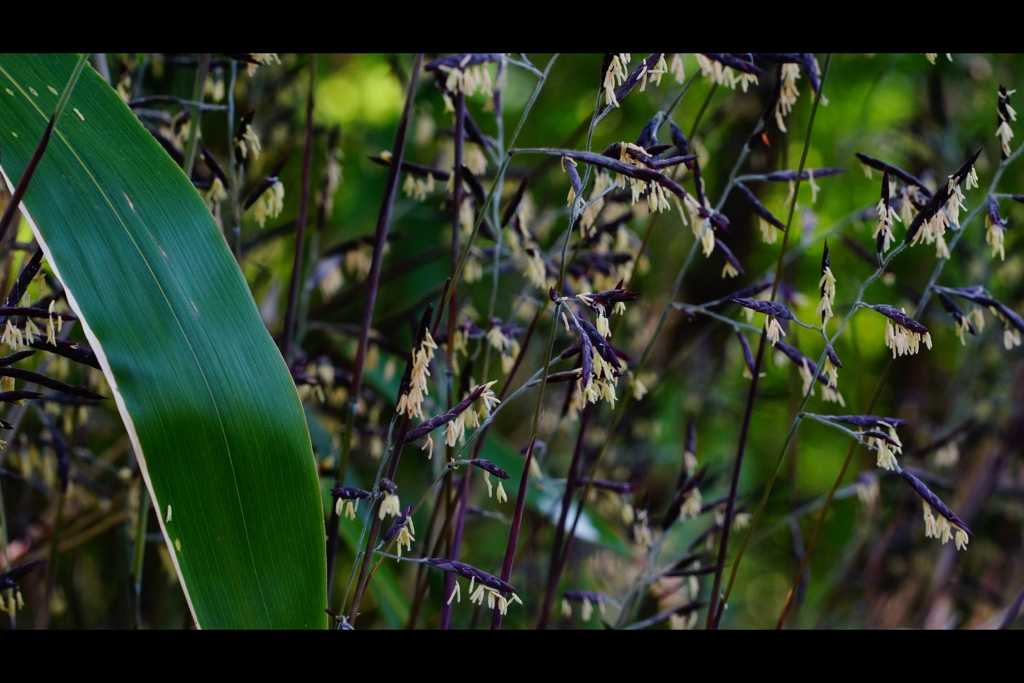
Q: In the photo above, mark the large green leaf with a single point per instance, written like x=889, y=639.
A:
x=204, y=393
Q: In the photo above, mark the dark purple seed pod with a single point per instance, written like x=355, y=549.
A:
x=18, y=395
x=794, y=355
x=993, y=212
x=900, y=318
x=1011, y=316
x=488, y=466
x=398, y=524
x=783, y=176
x=956, y=312
x=214, y=166
x=49, y=383
x=932, y=500
x=15, y=357
x=975, y=293
x=266, y=183
x=692, y=482
x=748, y=357
x=580, y=596
x=35, y=312
x=470, y=572
x=759, y=208
x=620, y=487
x=831, y=354
x=736, y=60
x=586, y=357
x=634, y=77
x=729, y=256
x=610, y=297
x=648, y=137
x=698, y=187
x=10, y=579
x=433, y=423
x=603, y=348
x=812, y=71
x=621, y=167
x=907, y=178
x=574, y=177
x=680, y=141
x=1019, y=198
x=347, y=493
x=825, y=264
x=721, y=222
x=867, y=420
x=874, y=433
x=937, y=201
x=780, y=57
x=388, y=485
x=766, y=307
x=461, y=61
x=1003, y=106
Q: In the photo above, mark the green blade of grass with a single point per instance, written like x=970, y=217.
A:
x=203, y=391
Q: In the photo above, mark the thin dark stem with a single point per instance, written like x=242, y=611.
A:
x=421, y=572
x=713, y=615
x=307, y=162
x=26, y=177
x=373, y=279
x=371, y=538
x=513, y=534
x=198, y=91
x=460, y=522
x=452, y=294
x=878, y=389
x=558, y=556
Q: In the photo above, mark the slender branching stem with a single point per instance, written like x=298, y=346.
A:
x=881, y=381
x=300, y=232
x=373, y=280
x=730, y=510
x=26, y=176
x=198, y=92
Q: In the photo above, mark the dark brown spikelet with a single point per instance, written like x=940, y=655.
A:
x=488, y=466
x=907, y=178
x=748, y=357
x=398, y=524
x=348, y=493
x=470, y=572
x=938, y=200
x=433, y=423
x=900, y=318
x=592, y=596
x=766, y=307
x=634, y=77
x=783, y=176
x=932, y=500
x=10, y=579
x=728, y=255
x=872, y=421
x=759, y=208
x=956, y=312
